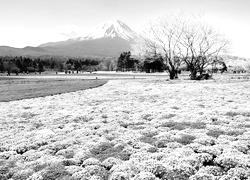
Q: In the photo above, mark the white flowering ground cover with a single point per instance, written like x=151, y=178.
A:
x=130, y=129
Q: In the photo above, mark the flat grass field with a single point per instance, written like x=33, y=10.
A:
x=147, y=128
x=25, y=88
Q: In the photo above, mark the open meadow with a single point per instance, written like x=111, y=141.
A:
x=130, y=129
x=15, y=88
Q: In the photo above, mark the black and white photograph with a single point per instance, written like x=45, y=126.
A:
x=124, y=90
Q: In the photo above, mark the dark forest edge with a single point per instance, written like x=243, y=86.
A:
x=125, y=63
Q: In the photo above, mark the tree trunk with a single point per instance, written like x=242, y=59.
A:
x=173, y=74
x=193, y=74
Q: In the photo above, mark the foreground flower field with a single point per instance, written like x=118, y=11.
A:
x=130, y=129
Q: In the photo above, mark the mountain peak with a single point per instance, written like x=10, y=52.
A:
x=111, y=29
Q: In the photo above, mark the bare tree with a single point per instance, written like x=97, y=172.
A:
x=162, y=38
x=200, y=46
x=184, y=38
x=109, y=64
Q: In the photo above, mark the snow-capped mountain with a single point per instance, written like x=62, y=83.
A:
x=110, y=29
x=107, y=29
x=109, y=38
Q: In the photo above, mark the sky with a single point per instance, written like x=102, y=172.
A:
x=33, y=22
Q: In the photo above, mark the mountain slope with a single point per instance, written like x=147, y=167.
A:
x=108, y=38
x=102, y=47
x=235, y=62
x=26, y=51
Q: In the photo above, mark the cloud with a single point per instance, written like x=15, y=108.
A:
x=69, y=30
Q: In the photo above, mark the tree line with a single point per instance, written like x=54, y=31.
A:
x=21, y=64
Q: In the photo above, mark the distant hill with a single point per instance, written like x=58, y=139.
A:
x=107, y=39
x=233, y=62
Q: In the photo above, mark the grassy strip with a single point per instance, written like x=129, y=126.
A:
x=17, y=89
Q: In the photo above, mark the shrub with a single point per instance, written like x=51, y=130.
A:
x=184, y=125
x=91, y=161
x=23, y=174
x=107, y=149
x=175, y=107
x=110, y=162
x=69, y=162
x=149, y=132
x=156, y=168
x=6, y=169
x=161, y=143
x=215, y=133
x=54, y=172
x=67, y=153
x=206, y=140
x=145, y=176
x=39, y=167
x=232, y=114
x=73, y=169
x=81, y=156
x=119, y=176
x=179, y=172
x=168, y=116
x=239, y=173
x=90, y=171
x=100, y=148
x=173, y=125
x=82, y=119
x=15, y=70
x=212, y=170
x=147, y=117
x=202, y=176
x=235, y=132
x=127, y=124
x=226, y=160
x=97, y=170
x=186, y=139
x=128, y=167
x=148, y=140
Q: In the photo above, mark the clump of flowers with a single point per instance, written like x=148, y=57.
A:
x=110, y=162
x=239, y=173
x=119, y=176
x=91, y=161
x=67, y=153
x=179, y=171
x=186, y=139
x=82, y=155
x=54, y=171
x=7, y=154
x=207, y=140
x=202, y=176
x=213, y=170
x=22, y=174
x=214, y=150
x=128, y=167
x=145, y=176
x=36, y=176
x=227, y=160
x=89, y=171
x=241, y=146
x=73, y=169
